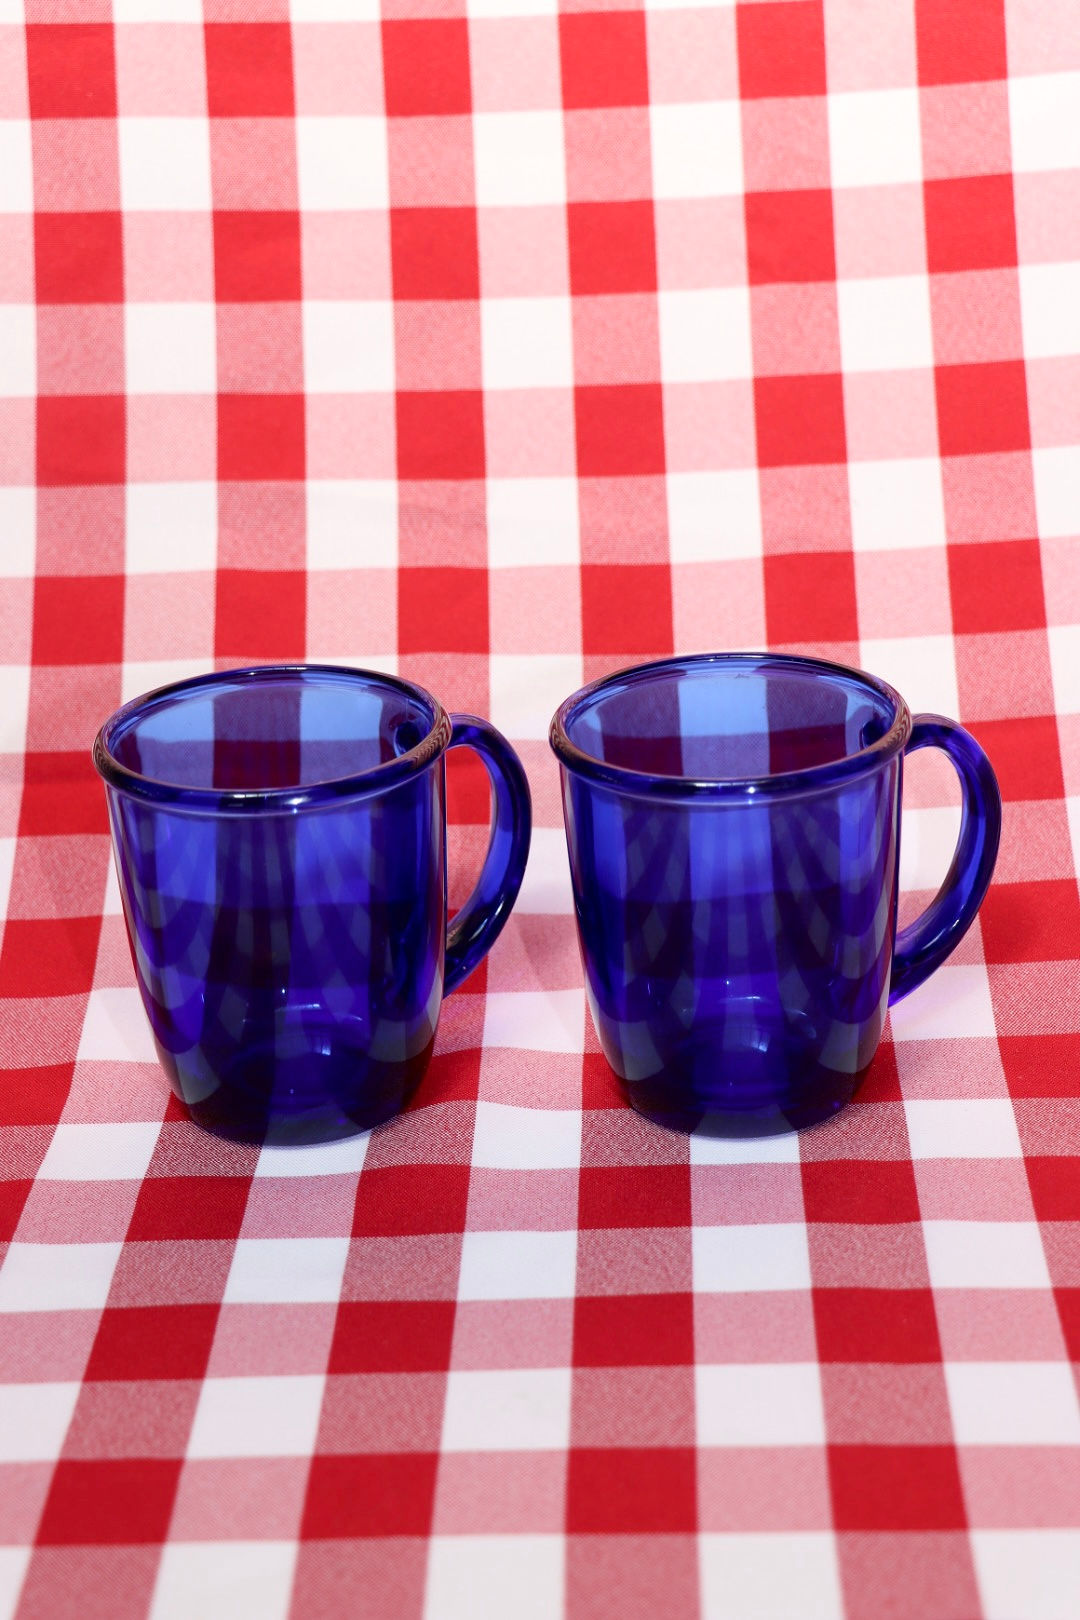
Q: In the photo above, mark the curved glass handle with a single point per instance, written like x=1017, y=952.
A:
x=925, y=943
x=480, y=920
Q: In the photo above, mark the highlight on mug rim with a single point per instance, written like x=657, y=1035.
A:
x=807, y=779
x=421, y=752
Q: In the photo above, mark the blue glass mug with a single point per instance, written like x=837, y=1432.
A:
x=733, y=825
x=279, y=836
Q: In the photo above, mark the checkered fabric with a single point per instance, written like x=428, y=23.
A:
x=502, y=342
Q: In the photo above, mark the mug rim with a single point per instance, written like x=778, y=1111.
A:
x=216, y=801
x=809, y=778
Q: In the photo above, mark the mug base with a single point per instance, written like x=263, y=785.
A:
x=772, y=1119
x=299, y=1099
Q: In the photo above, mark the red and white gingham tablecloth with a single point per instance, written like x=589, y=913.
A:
x=500, y=343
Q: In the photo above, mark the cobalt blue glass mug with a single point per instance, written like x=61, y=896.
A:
x=733, y=824
x=279, y=836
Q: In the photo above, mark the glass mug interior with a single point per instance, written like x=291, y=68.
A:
x=733, y=830
x=280, y=841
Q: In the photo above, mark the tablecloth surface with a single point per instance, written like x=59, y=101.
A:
x=500, y=344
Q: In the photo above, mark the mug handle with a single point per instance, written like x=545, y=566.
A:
x=480, y=921
x=925, y=943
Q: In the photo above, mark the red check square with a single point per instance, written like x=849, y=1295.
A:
x=369, y=1496
x=896, y=1488
x=603, y=59
x=78, y=258
x=620, y=430
x=626, y=608
x=789, y=236
x=249, y=70
x=1055, y=1186
x=810, y=596
x=434, y=253
x=61, y=794
x=13, y=1195
x=634, y=1330
x=116, y=1502
x=260, y=613
x=800, y=420
x=620, y=1491
x=1040, y=1065
x=959, y=43
x=634, y=1195
x=71, y=70
x=781, y=49
x=49, y=957
x=426, y=67
x=399, y=1335
x=1025, y=755
x=387, y=1205
x=35, y=1096
x=443, y=610
x=80, y=439
x=440, y=434
x=256, y=256
x=970, y=223
x=982, y=408
x=1031, y=922
x=893, y=1325
x=170, y=1208
x=151, y=1342
x=612, y=247
x=261, y=436
x=79, y=621
x=851, y=1190
x=996, y=587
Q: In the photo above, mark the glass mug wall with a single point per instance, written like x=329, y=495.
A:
x=279, y=835
x=733, y=830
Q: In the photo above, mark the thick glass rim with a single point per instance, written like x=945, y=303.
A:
x=250, y=801
x=807, y=779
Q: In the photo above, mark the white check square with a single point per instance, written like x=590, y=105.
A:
x=224, y=1580
x=697, y=149
x=14, y=707
x=954, y=1002
x=1044, y=130
x=875, y=137
x=922, y=668
x=759, y=1405
x=1050, y=309
x=495, y=1577
x=1010, y=1403
x=18, y=523
x=885, y=323
x=1064, y=642
x=34, y=1419
x=1057, y=490
x=165, y=164
x=342, y=163
x=115, y=1028
x=257, y=1417
x=18, y=347
x=770, y=1576
x=348, y=346
x=118, y=1151
x=714, y=516
x=16, y=161
x=965, y=1128
x=518, y=1265
x=526, y=343
x=57, y=1276
x=532, y=521
x=535, y=1020
x=1030, y=1573
x=527, y=688
x=705, y=334
x=896, y=505
x=352, y=523
x=517, y=1409
x=509, y=1138
x=286, y=1271
x=985, y=1254
x=170, y=348
x=171, y=528
x=520, y=158
x=928, y=845
x=750, y=1259
x=546, y=888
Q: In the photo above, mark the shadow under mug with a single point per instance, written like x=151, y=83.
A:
x=280, y=836
x=733, y=823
